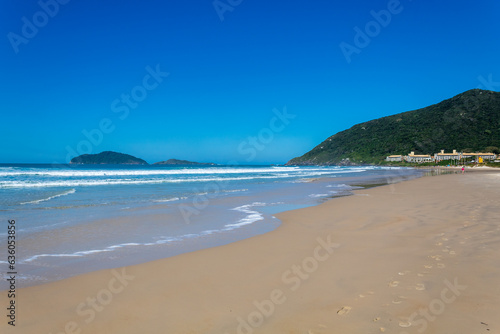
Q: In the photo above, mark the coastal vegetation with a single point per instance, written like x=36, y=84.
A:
x=107, y=157
x=115, y=158
x=468, y=122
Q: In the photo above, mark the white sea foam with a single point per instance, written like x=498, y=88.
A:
x=172, y=199
x=72, y=191
x=318, y=195
x=160, y=241
x=39, y=178
x=145, y=172
x=184, y=171
x=252, y=215
x=234, y=190
x=101, y=182
x=338, y=186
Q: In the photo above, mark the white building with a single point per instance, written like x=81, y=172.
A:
x=418, y=158
x=476, y=156
x=394, y=158
x=447, y=156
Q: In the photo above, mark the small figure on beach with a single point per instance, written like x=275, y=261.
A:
x=463, y=169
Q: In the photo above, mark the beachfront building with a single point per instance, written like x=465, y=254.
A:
x=446, y=156
x=442, y=156
x=476, y=156
x=394, y=158
x=418, y=158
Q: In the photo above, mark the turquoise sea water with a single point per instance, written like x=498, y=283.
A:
x=75, y=219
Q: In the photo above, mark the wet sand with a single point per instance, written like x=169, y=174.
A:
x=413, y=257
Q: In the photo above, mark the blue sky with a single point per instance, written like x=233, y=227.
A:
x=73, y=73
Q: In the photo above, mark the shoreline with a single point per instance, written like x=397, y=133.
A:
x=114, y=240
x=467, y=168
x=386, y=236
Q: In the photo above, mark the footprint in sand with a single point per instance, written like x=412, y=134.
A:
x=394, y=284
x=397, y=301
x=420, y=287
x=436, y=257
x=404, y=324
x=382, y=329
x=453, y=252
x=441, y=265
x=428, y=266
x=344, y=310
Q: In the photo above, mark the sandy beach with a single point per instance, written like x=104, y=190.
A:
x=419, y=256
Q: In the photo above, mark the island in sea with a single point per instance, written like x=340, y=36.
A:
x=107, y=158
x=115, y=158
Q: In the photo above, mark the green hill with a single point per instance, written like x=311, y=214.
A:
x=469, y=121
x=108, y=158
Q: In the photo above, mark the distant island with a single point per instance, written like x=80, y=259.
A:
x=115, y=158
x=468, y=122
x=107, y=158
x=183, y=162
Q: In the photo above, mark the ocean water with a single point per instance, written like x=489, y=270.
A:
x=75, y=219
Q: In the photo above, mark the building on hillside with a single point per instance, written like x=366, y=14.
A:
x=394, y=158
x=446, y=156
x=476, y=156
x=418, y=158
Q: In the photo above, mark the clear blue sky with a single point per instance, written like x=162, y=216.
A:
x=226, y=76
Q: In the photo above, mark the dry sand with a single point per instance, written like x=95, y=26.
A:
x=422, y=256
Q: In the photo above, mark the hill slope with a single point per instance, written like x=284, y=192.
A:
x=108, y=157
x=468, y=121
